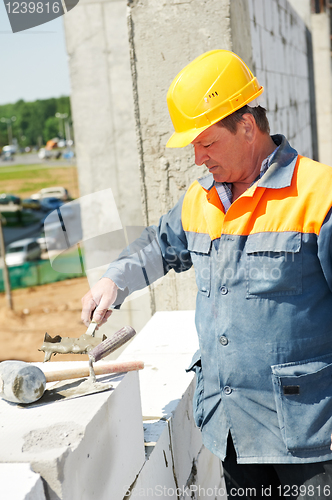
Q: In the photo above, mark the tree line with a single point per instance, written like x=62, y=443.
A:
x=35, y=122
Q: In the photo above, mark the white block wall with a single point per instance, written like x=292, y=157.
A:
x=109, y=446
x=178, y=466
x=19, y=482
x=279, y=52
x=82, y=448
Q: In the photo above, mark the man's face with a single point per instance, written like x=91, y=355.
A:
x=226, y=155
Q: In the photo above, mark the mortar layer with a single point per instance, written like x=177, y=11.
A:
x=66, y=345
x=60, y=435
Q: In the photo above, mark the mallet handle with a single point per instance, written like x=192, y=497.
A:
x=110, y=367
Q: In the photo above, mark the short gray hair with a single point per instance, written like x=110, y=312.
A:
x=259, y=113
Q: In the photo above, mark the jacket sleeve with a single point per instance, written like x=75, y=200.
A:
x=324, y=244
x=158, y=249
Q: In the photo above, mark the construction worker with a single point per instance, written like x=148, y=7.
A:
x=257, y=230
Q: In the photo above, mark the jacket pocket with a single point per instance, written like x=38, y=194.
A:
x=199, y=246
x=274, y=264
x=303, y=394
x=196, y=367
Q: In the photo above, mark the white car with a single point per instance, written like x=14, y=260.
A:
x=21, y=251
x=44, y=154
x=53, y=192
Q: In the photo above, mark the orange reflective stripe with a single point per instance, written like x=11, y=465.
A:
x=300, y=207
x=202, y=211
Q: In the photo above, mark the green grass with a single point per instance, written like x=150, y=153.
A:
x=23, y=172
x=24, y=180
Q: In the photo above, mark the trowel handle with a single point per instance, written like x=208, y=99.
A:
x=101, y=369
x=109, y=345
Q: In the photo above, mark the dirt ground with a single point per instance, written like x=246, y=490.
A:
x=53, y=308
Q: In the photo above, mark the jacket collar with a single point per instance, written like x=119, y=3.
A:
x=280, y=172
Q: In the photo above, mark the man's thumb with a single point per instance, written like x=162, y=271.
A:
x=101, y=309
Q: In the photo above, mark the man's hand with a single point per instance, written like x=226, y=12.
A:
x=98, y=300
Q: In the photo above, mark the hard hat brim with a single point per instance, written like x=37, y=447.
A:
x=182, y=139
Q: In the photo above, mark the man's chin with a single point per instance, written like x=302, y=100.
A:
x=218, y=178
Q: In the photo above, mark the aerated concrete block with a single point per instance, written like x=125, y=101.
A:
x=83, y=448
x=185, y=436
x=173, y=442
x=166, y=345
x=19, y=482
x=210, y=481
x=156, y=479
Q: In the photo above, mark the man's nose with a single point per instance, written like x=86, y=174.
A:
x=200, y=155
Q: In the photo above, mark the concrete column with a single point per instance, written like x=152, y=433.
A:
x=164, y=38
x=323, y=83
x=102, y=106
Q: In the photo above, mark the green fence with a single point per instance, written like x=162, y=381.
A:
x=40, y=273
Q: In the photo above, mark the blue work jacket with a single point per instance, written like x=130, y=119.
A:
x=264, y=307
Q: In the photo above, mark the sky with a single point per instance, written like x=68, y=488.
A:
x=34, y=62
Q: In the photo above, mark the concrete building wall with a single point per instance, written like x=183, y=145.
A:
x=320, y=24
x=103, y=114
x=303, y=8
x=267, y=34
x=120, y=80
x=180, y=32
x=280, y=62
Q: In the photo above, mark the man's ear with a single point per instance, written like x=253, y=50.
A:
x=249, y=127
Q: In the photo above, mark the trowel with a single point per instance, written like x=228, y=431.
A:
x=70, y=345
x=24, y=383
x=85, y=343
x=90, y=385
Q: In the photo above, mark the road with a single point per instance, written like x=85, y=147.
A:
x=11, y=234
x=33, y=159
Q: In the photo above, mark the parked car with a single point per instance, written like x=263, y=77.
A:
x=21, y=251
x=46, y=243
x=7, y=156
x=9, y=199
x=8, y=152
x=44, y=154
x=50, y=203
x=31, y=203
x=55, y=192
x=10, y=148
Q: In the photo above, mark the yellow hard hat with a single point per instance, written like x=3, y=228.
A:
x=207, y=90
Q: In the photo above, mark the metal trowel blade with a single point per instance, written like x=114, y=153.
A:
x=69, y=389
